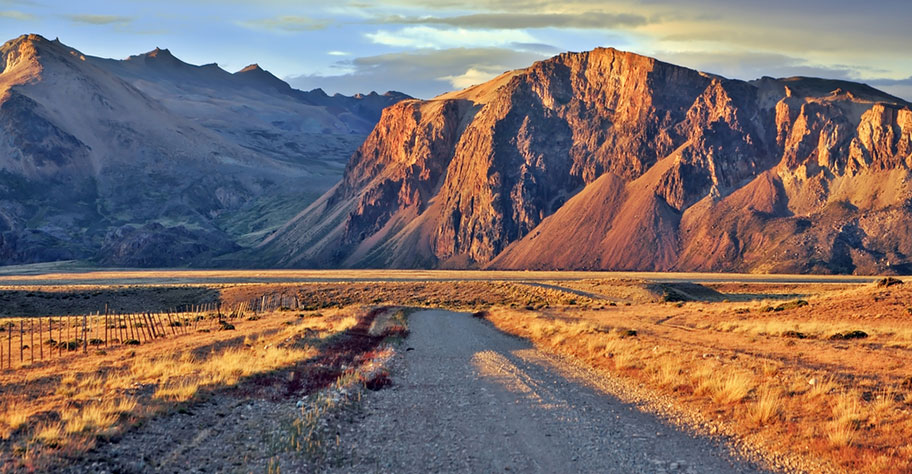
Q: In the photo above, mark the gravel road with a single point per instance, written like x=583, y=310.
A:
x=468, y=398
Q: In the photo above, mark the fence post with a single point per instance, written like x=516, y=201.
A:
x=151, y=318
x=21, y=342
x=146, y=328
x=31, y=340
x=161, y=325
x=41, y=335
x=85, y=338
x=136, y=329
x=152, y=328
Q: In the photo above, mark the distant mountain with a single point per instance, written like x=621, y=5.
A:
x=151, y=161
x=611, y=160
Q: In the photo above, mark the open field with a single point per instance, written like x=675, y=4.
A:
x=58, y=409
x=811, y=372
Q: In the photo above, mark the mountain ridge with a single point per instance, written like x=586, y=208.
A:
x=100, y=158
x=656, y=166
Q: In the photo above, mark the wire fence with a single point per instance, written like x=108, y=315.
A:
x=27, y=340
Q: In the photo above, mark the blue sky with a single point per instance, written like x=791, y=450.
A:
x=427, y=47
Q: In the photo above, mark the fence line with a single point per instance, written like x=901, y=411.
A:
x=77, y=334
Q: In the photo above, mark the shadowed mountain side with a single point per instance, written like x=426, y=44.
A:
x=611, y=160
x=151, y=161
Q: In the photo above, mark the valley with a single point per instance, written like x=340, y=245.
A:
x=788, y=373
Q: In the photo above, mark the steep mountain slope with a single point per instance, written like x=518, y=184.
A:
x=119, y=160
x=611, y=160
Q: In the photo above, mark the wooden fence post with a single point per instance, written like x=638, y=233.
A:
x=128, y=322
x=137, y=327
x=145, y=326
x=147, y=323
x=31, y=340
x=85, y=338
x=21, y=342
x=9, y=347
x=161, y=325
x=155, y=327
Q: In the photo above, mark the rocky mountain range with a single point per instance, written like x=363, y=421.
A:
x=151, y=161
x=610, y=160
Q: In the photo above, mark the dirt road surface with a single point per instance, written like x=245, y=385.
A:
x=468, y=398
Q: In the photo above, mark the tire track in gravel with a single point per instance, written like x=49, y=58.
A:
x=469, y=398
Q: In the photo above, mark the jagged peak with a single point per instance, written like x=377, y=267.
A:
x=30, y=53
x=27, y=38
x=252, y=68
x=255, y=74
x=318, y=91
x=158, y=52
x=158, y=56
x=38, y=42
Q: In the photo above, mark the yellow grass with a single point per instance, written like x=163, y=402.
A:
x=767, y=407
x=51, y=434
x=92, y=399
x=728, y=361
x=12, y=416
x=749, y=395
x=731, y=388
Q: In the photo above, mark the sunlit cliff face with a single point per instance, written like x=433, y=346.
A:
x=613, y=160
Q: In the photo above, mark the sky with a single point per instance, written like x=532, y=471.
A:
x=425, y=48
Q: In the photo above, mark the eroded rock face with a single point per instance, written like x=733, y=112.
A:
x=610, y=160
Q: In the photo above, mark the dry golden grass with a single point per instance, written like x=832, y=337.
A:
x=767, y=407
x=812, y=398
x=842, y=403
x=96, y=397
x=12, y=416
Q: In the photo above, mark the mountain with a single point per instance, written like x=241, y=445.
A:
x=151, y=161
x=610, y=160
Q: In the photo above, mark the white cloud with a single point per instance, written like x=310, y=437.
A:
x=423, y=73
x=100, y=19
x=288, y=23
x=338, y=53
x=426, y=37
x=474, y=75
x=16, y=15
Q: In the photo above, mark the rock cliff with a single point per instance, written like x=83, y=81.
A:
x=610, y=160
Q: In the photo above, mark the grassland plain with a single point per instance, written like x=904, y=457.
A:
x=812, y=373
x=53, y=412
